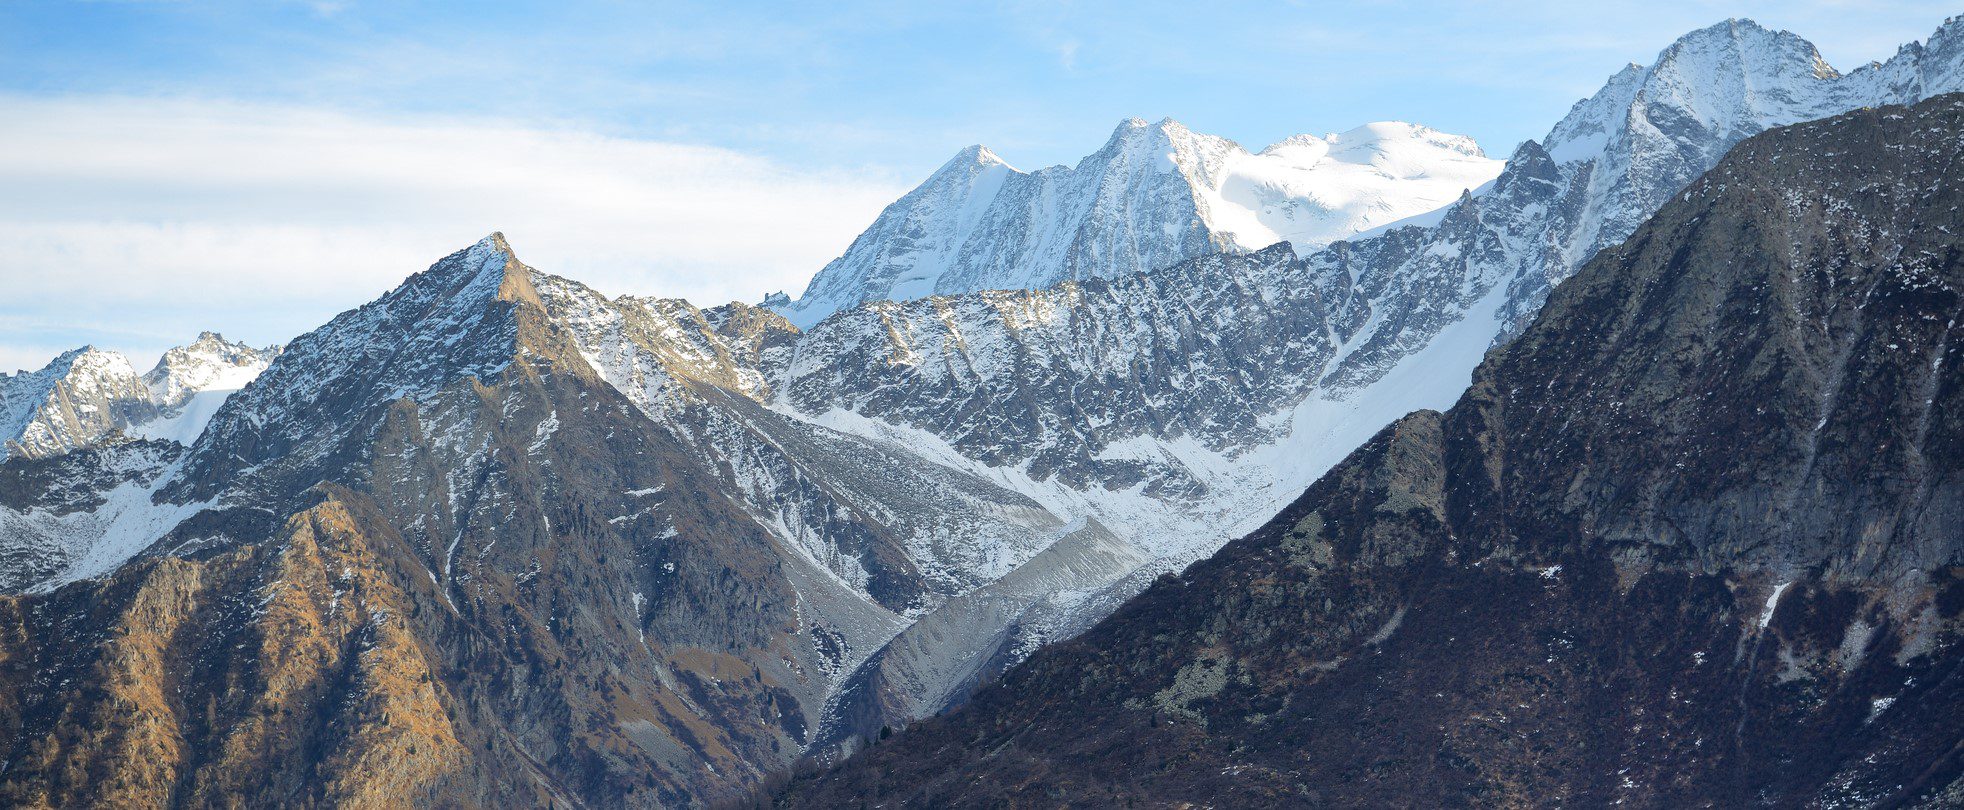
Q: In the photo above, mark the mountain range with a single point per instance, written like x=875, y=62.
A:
x=498, y=538
x=1691, y=539
x=79, y=397
x=1154, y=195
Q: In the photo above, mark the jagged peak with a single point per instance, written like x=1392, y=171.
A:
x=1128, y=131
x=971, y=157
x=1529, y=149
x=1732, y=28
x=1529, y=163
x=1741, y=35
x=475, y=259
x=1279, y=251
x=216, y=342
x=1715, y=72
x=22, y=395
x=737, y=314
x=1297, y=142
x=1951, y=31
x=67, y=358
x=488, y=268
x=466, y=316
x=1139, y=131
x=492, y=248
x=1165, y=145
x=85, y=357
x=212, y=346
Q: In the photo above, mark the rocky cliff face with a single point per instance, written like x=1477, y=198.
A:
x=1693, y=537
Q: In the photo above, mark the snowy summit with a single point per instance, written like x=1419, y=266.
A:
x=1155, y=195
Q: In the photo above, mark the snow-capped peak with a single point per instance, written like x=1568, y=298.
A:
x=983, y=156
x=1652, y=129
x=72, y=401
x=1311, y=191
x=89, y=362
x=486, y=261
x=972, y=158
x=1733, y=78
x=86, y=394
x=1153, y=195
x=1393, y=137
x=190, y=382
x=452, y=321
x=210, y=363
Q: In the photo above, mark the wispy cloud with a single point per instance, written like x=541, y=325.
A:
x=1067, y=53
x=458, y=118
x=140, y=221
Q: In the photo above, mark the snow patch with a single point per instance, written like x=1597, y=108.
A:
x=1772, y=603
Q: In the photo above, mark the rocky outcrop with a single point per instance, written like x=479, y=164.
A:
x=1692, y=538
x=210, y=363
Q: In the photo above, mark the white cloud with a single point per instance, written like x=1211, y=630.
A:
x=133, y=223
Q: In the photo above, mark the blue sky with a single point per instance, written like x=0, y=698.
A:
x=257, y=166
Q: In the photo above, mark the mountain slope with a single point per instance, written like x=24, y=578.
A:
x=1154, y=195
x=511, y=587
x=903, y=456
x=1103, y=380
x=1693, y=537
